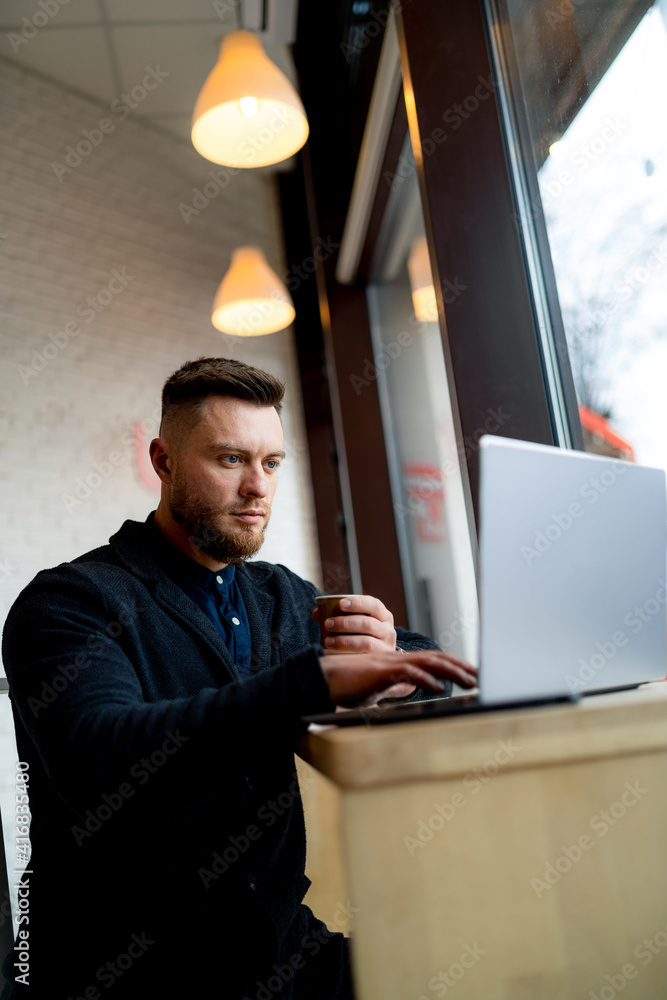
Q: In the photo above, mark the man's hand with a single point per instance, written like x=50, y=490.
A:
x=366, y=627
x=354, y=681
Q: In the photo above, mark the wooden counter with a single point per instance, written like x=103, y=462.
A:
x=508, y=855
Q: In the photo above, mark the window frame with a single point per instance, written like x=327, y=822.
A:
x=493, y=351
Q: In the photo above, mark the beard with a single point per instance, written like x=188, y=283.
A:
x=199, y=519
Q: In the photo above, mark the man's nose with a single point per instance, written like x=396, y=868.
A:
x=254, y=482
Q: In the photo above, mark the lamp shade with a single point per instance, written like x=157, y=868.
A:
x=421, y=282
x=251, y=299
x=248, y=114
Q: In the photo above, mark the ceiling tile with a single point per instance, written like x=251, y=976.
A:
x=12, y=13
x=177, y=125
x=75, y=57
x=168, y=10
x=186, y=52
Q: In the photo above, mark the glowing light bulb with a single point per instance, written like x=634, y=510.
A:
x=251, y=299
x=248, y=106
x=245, y=97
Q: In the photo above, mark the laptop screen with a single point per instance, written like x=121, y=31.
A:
x=572, y=571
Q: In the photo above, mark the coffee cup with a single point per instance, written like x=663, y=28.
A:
x=327, y=607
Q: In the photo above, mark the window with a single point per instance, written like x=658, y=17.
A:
x=425, y=461
x=586, y=101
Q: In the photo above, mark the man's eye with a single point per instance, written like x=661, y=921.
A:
x=273, y=463
x=234, y=459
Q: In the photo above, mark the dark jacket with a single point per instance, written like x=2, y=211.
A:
x=168, y=840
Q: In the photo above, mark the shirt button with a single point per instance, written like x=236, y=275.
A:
x=252, y=882
x=236, y=621
x=218, y=579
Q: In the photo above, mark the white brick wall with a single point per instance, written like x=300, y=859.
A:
x=60, y=241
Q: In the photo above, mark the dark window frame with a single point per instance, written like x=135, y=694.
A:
x=489, y=332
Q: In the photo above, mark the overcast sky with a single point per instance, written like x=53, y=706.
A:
x=608, y=227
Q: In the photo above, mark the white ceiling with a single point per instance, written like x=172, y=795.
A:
x=102, y=48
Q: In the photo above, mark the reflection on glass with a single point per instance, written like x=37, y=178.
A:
x=424, y=459
x=593, y=79
x=421, y=282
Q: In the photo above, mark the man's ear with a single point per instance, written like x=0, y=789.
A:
x=161, y=458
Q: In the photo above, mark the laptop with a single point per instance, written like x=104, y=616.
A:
x=572, y=582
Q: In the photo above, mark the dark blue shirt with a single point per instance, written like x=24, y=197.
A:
x=217, y=594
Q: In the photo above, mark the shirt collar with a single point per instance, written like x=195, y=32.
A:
x=175, y=562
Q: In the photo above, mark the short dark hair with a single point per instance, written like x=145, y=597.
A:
x=186, y=389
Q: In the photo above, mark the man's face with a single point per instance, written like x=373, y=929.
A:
x=224, y=477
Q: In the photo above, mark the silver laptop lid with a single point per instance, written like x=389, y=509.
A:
x=573, y=567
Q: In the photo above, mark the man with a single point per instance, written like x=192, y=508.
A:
x=158, y=685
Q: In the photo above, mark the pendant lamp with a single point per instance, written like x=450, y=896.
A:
x=247, y=114
x=421, y=282
x=251, y=299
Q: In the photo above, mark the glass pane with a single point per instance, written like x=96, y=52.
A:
x=425, y=461
x=588, y=88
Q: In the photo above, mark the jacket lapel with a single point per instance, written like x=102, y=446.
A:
x=259, y=604
x=133, y=550
x=180, y=606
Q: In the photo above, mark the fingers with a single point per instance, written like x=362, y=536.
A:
x=352, y=678
x=401, y=690
x=444, y=665
x=360, y=635
x=422, y=678
x=356, y=625
x=364, y=604
x=367, y=626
